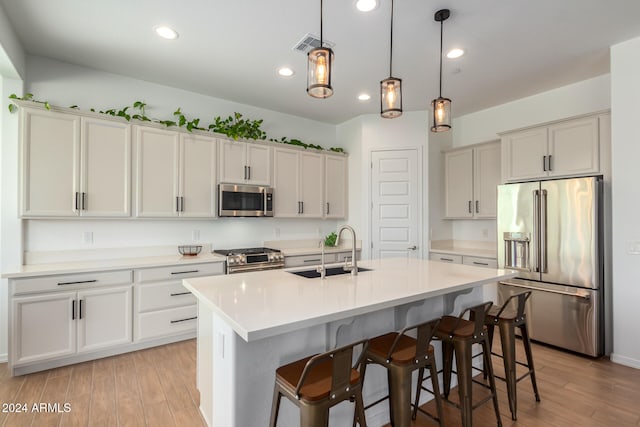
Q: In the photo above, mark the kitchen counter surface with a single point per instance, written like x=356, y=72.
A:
x=268, y=303
x=465, y=248
x=34, y=270
x=309, y=247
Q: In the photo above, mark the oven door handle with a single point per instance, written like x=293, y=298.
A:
x=264, y=201
x=244, y=268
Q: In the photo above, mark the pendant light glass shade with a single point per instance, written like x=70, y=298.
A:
x=440, y=114
x=320, y=62
x=441, y=107
x=391, y=98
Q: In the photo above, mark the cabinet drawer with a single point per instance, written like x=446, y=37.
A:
x=435, y=256
x=480, y=262
x=156, y=296
x=302, y=260
x=166, y=322
x=69, y=281
x=179, y=272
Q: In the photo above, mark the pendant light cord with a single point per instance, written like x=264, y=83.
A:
x=441, y=26
x=391, y=49
x=320, y=23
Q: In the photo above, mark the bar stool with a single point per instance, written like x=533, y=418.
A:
x=458, y=334
x=401, y=355
x=317, y=383
x=507, y=320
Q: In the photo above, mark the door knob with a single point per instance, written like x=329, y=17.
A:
x=412, y=248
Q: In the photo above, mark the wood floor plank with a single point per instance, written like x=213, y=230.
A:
x=128, y=399
x=51, y=405
x=29, y=393
x=79, y=414
x=103, y=400
x=158, y=414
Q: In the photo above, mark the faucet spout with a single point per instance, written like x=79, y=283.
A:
x=354, y=261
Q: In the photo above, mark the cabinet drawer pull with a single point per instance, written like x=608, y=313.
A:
x=312, y=260
x=480, y=263
x=73, y=310
x=185, y=272
x=84, y=201
x=446, y=259
x=77, y=200
x=327, y=208
x=470, y=210
x=77, y=283
x=477, y=206
x=544, y=163
x=549, y=163
x=249, y=173
x=80, y=309
x=180, y=293
x=184, y=320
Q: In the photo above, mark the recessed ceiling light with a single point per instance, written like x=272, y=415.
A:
x=364, y=97
x=455, y=53
x=166, y=32
x=285, y=72
x=366, y=5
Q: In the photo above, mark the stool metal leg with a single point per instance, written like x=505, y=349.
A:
x=527, y=349
x=508, y=340
x=447, y=361
x=436, y=392
x=463, y=365
x=359, y=410
x=400, y=396
x=314, y=416
x=275, y=406
x=418, y=390
x=492, y=381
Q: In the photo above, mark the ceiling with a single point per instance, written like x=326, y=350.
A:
x=231, y=49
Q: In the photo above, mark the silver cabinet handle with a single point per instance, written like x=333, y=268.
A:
x=185, y=272
x=76, y=283
x=470, y=211
x=183, y=320
x=412, y=248
x=477, y=206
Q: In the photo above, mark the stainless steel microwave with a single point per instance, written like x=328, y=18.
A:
x=244, y=200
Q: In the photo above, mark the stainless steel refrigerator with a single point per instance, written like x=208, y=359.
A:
x=551, y=232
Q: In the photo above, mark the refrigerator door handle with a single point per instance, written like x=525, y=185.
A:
x=585, y=296
x=543, y=232
x=536, y=211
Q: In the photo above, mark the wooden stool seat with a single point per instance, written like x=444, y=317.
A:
x=315, y=384
x=458, y=327
x=405, y=349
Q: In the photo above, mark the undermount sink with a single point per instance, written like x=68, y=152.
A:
x=333, y=271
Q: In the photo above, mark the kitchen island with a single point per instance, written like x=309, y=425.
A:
x=251, y=323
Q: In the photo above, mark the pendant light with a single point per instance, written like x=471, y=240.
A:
x=319, y=68
x=391, y=87
x=441, y=107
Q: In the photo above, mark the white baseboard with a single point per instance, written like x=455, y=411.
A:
x=4, y=358
x=624, y=360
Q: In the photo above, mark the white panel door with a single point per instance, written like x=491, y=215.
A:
x=232, y=162
x=50, y=150
x=105, y=169
x=104, y=318
x=157, y=157
x=285, y=198
x=395, y=197
x=311, y=184
x=258, y=161
x=198, y=176
x=44, y=327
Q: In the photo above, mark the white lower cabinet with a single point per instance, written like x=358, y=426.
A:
x=163, y=307
x=56, y=324
x=464, y=259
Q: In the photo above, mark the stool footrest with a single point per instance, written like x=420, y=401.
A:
x=382, y=399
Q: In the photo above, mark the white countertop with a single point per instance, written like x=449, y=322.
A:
x=33, y=270
x=309, y=246
x=465, y=247
x=267, y=303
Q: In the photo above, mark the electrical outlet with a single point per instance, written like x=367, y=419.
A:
x=87, y=237
x=633, y=248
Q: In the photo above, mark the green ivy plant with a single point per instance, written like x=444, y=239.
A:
x=234, y=126
x=27, y=97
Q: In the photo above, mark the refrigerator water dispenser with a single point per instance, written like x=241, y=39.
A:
x=516, y=251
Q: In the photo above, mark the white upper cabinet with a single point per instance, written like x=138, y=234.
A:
x=298, y=184
x=471, y=177
x=74, y=166
x=245, y=163
x=175, y=174
x=336, y=187
x=567, y=148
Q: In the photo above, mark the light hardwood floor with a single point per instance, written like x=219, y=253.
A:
x=156, y=387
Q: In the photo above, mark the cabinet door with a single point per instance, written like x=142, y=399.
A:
x=157, y=156
x=486, y=177
x=285, y=198
x=524, y=154
x=232, y=162
x=50, y=150
x=105, y=168
x=197, y=176
x=573, y=147
x=311, y=185
x=104, y=318
x=43, y=327
x=336, y=187
x=258, y=162
x=458, y=169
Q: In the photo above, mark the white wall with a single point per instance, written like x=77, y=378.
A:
x=625, y=111
x=371, y=132
x=12, y=57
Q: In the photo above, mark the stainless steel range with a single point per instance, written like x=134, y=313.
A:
x=252, y=259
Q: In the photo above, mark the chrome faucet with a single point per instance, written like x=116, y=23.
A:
x=354, y=261
x=321, y=268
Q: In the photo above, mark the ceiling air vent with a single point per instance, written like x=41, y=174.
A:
x=309, y=41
